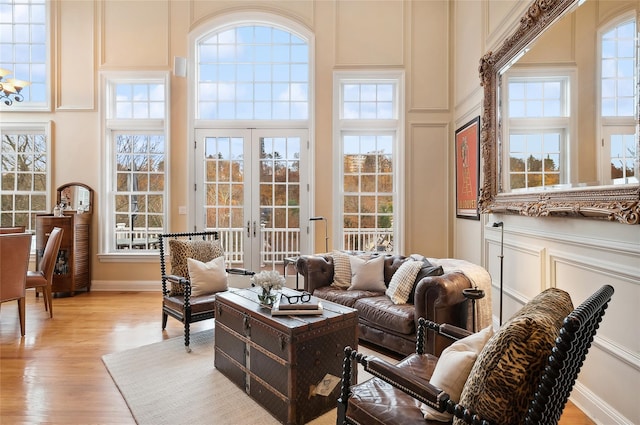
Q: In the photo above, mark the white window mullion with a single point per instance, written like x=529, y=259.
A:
x=136, y=146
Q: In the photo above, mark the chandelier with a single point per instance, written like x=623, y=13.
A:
x=10, y=88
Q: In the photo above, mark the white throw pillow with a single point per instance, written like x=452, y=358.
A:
x=402, y=281
x=341, y=269
x=207, y=278
x=453, y=367
x=367, y=275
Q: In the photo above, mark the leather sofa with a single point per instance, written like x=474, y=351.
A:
x=437, y=296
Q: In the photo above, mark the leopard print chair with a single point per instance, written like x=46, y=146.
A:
x=182, y=299
x=521, y=374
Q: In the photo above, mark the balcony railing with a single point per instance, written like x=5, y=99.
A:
x=275, y=245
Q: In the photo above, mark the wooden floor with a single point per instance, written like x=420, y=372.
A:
x=55, y=374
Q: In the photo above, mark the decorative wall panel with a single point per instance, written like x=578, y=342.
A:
x=75, y=74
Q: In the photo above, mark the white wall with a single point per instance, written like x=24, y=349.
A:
x=576, y=255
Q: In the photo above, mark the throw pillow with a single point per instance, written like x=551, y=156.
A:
x=341, y=269
x=504, y=377
x=200, y=250
x=402, y=281
x=452, y=369
x=427, y=269
x=207, y=278
x=367, y=275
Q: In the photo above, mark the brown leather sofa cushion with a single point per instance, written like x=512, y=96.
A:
x=342, y=296
x=383, y=313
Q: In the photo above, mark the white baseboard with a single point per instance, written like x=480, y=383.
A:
x=595, y=408
x=126, y=285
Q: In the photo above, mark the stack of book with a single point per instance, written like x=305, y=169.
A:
x=283, y=307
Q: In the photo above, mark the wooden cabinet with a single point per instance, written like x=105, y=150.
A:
x=73, y=266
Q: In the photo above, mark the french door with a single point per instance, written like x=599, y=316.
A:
x=251, y=186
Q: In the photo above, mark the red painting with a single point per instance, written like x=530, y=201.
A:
x=467, y=169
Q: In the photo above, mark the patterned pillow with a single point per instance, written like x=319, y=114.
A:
x=504, y=377
x=180, y=250
x=402, y=281
x=427, y=269
x=341, y=269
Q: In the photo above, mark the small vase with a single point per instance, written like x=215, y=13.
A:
x=267, y=298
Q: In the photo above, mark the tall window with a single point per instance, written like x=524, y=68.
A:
x=24, y=39
x=619, y=102
x=24, y=177
x=253, y=73
x=137, y=128
x=369, y=129
x=538, y=129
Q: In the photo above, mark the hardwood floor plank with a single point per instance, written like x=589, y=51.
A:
x=55, y=374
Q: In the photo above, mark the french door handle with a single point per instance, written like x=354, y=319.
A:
x=254, y=228
x=248, y=228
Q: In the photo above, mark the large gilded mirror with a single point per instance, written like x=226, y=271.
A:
x=560, y=126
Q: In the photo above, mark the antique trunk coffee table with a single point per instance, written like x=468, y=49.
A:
x=291, y=365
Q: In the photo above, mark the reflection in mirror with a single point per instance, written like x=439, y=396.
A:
x=75, y=197
x=560, y=120
x=569, y=114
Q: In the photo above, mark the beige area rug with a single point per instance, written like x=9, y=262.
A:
x=163, y=384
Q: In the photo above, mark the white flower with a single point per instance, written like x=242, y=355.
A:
x=268, y=280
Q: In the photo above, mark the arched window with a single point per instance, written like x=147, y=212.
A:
x=252, y=102
x=618, y=100
x=252, y=72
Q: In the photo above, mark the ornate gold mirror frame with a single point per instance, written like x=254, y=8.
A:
x=613, y=203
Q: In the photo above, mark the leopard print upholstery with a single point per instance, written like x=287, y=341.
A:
x=504, y=377
x=200, y=250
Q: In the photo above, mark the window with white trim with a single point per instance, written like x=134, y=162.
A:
x=369, y=129
x=253, y=72
x=25, y=174
x=538, y=129
x=24, y=50
x=619, y=101
x=137, y=148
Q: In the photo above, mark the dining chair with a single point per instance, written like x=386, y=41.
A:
x=43, y=277
x=14, y=263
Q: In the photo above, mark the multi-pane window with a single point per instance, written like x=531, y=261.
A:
x=537, y=131
x=24, y=179
x=369, y=128
x=24, y=38
x=618, y=47
x=253, y=73
x=137, y=132
x=368, y=101
x=368, y=191
x=619, y=102
x=535, y=158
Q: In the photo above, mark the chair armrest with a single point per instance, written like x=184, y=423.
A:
x=317, y=271
x=179, y=280
x=446, y=330
x=402, y=379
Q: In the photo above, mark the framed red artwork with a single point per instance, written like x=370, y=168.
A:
x=468, y=169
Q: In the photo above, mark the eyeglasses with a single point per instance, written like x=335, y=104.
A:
x=294, y=299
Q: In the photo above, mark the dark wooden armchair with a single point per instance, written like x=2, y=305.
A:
x=523, y=374
x=184, y=298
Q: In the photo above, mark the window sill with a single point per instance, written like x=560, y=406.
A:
x=129, y=257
